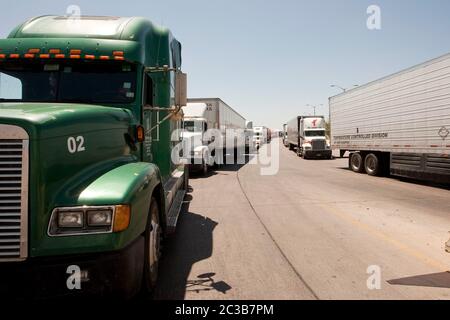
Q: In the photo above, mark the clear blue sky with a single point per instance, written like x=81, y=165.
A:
x=268, y=59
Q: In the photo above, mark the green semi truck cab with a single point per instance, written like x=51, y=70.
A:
x=88, y=108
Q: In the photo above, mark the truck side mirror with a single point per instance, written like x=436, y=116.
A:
x=180, y=89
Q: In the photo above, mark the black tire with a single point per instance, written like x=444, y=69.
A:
x=204, y=168
x=186, y=179
x=356, y=162
x=153, y=239
x=372, y=165
x=291, y=147
x=342, y=153
x=299, y=153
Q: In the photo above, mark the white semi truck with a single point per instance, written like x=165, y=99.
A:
x=399, y=124
x=306, y=134
x=203, y=119
x=249, y=136
x=260, y=136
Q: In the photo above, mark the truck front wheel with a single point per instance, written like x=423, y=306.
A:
x=356, y=162
x=372, y=165
x=153, y=238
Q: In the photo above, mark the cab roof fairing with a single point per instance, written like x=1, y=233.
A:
x=140, y=40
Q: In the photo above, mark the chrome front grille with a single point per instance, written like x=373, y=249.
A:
x=318, y=144
x=13, y=193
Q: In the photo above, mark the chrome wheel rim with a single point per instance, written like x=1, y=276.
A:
x=356, y=162
x=155, y=245
x=371, y=164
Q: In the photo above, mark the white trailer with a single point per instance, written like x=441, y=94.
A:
x=399, y=124
x=214, y=129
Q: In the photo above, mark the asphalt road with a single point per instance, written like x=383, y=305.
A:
x=312, y=231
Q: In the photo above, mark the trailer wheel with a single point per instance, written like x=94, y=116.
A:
x=153, y=239
x=372, y=165
x=291, y=147
x=356, y=162
x=186, y=179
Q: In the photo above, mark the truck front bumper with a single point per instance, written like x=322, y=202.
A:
x=114, y=274
x=326, y=154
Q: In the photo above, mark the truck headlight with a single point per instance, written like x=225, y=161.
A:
x=89, y=220
x=70, y=219
x=99, y=218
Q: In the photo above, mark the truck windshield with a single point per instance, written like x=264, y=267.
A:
x=315, y=133
x=82, y=82
x=193, y=126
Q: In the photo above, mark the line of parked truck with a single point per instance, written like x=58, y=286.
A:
x=215, y=134
x=88, y=111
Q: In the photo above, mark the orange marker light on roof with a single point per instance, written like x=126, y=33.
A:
x=75, y=56
x=75, y=51
x=2, y=56
x=89, y=56
x=14, y=55
x=54, y=51
x=119, y=58
x=104, y=57
x=60, y=56
x=29, y=55
x=34, y=50
x=118, y=53
x=44, y=56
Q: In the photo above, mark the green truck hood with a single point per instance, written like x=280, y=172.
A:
x=50, y=120
x=57, y=175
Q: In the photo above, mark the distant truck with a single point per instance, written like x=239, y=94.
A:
x=87, y=183
x=260, y=136
x=306, y=134
x=399, y=124
x=249, y=136
x=203, y=114
x=284, y=136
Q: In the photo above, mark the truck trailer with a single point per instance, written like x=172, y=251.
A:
x=306, y=134
x=203, y=114
x=88, y=188
x=399, y=124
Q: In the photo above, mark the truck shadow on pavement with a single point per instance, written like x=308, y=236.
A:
x=192, y=242
x=433, y=280
x=219, y=169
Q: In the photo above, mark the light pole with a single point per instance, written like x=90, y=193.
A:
x=309, y=105
x=339, y=87
x=343, y=89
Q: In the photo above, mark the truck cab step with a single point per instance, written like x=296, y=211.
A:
x=174, y=212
